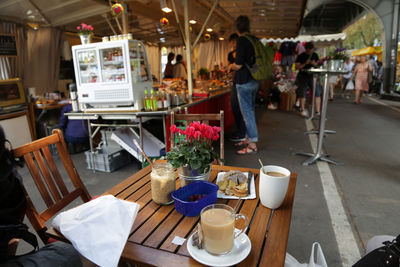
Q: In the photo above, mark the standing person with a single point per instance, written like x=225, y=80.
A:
x=169, y=68
x=305, y=61
x=361, y=72
x=247, y=87
x=180, y=68
x=371, y=82
x=240, y=133
x=348, y=66
x=379, y=79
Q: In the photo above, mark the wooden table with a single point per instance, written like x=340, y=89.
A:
x=156, y=226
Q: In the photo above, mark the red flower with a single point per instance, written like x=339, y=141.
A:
x=197, y=134
x=216, y=129
x=189, y=131
x=173, y=129
x=215, y=137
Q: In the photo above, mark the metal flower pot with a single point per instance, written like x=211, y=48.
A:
x=86, y=38
x=335, y=64
x=187, y=175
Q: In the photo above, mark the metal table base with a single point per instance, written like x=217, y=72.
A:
x=318, y=155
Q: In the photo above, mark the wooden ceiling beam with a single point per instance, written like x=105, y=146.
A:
x=6, y=3
x=80, y=15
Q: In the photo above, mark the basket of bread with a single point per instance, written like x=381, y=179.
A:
x=234, y=184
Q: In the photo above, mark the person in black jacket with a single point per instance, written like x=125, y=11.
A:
x=247, y=86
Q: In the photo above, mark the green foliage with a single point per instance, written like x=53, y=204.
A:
x=363, y=33
x=196, y=155
x=203, y=71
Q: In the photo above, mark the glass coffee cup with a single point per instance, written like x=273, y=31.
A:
x=218, y=228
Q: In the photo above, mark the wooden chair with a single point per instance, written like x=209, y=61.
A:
x=204, y=118
x=48, y=180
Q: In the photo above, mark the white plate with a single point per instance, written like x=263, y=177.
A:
x=241, y=249
x=252, y=188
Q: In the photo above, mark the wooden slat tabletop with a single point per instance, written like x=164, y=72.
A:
x=150, y=241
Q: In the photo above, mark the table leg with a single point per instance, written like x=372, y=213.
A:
x=141, y=136
x=318, y=154
x=91, y=145
x=313, y=97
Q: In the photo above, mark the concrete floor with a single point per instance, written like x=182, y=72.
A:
x=368, y=183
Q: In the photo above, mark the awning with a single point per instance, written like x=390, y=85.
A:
x=371, y=50
x=325, y=38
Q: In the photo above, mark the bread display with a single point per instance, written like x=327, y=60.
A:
x=234, y=183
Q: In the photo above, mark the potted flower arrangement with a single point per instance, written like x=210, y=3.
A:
x=336, y=59
x=194, y=152
x=85, y=32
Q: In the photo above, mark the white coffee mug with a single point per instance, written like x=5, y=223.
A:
x=274, y=181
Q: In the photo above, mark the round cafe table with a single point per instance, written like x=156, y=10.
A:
x=321, y=132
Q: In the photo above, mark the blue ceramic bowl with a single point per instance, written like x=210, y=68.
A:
x=192, y=208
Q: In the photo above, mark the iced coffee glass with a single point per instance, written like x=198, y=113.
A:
x=218, y=227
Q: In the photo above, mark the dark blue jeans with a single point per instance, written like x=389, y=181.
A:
x=247, y=100
x=241, y=127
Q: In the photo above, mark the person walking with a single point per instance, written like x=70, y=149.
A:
x=361, y=73
x=240, y=133
x=348, y=66
x=247, y=86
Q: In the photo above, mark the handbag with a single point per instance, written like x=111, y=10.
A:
x=350, y=85
x=388, y=255
x=291, y=261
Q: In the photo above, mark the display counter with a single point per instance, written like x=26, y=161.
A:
x=218, y=100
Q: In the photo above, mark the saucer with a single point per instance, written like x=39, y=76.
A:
x=241, y=249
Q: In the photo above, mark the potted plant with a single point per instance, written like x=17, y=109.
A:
x=85, y=32
x=194, y=153
x=204, y=73
x=337, y=59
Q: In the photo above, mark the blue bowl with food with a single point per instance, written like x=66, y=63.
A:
x=192, y=198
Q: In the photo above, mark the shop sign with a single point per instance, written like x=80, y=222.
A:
x=8, y=45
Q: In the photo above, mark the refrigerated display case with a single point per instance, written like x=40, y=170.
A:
x=112, y=75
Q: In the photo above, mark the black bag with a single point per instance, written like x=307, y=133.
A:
x=386, y=256
x=12, y=203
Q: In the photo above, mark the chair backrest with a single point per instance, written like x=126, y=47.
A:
x=204, y=118
x=48, y=180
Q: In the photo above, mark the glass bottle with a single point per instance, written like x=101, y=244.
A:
x=153, y=100
x=162, y=183
x=159, y=100
x=147, y=103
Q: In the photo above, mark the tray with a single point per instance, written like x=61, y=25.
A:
x=252, y=189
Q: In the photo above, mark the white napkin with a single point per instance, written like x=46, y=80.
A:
x=99, y=228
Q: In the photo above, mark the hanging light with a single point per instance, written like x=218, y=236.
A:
x=192, y=21
x=209, y=29
x=164, y=6
x=221, y=38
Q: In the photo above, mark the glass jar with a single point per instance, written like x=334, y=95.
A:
x=162, y=183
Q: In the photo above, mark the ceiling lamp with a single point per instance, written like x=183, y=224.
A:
x=209, y=29
x=164, y=7
x=207, y=36
x=192, y=21
x=221, y=38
